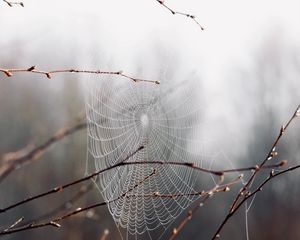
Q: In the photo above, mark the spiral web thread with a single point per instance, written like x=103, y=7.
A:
x=163, y=118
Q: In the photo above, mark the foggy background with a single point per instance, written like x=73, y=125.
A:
x=248, y=64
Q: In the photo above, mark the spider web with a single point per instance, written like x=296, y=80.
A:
x=122, y=116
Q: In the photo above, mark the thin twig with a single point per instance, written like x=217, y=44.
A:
x=208, y=194
x=193, y=17
x=177, y=230
x=105, y=234
x=175, y=163
x=271, y=166
x=219, y=173
x=243, y=194
x=48, y=74
x=11, y=4
x=14, y=224
x=18, y=161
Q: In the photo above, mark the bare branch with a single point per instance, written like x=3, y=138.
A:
x=193, y=17
x=18, y=158
x=48, y=74
x=14, y=224
x=271, y=166
x=11, y=4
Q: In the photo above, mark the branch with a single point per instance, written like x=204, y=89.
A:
x=48, y=74
x=18, y=158
x=207, y=194
x=13, y=3
x=244, y=193
x=14, y=224
x=55, y=222
x=121, y=163
x=219, y=173
x=193, y=17
x=271, y=176
x=271, y=166
x=61, y=188
x=211, y=192
x=105, y=234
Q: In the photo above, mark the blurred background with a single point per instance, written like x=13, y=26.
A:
x=247, y=62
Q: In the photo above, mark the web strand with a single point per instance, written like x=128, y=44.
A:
x=162, y=118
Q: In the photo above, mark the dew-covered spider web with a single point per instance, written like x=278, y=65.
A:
x=165, y=119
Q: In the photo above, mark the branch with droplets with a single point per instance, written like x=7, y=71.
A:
x=55, y=222
x=49, y=74
x=193, y=17
x=206, y=194
x=124, y=162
